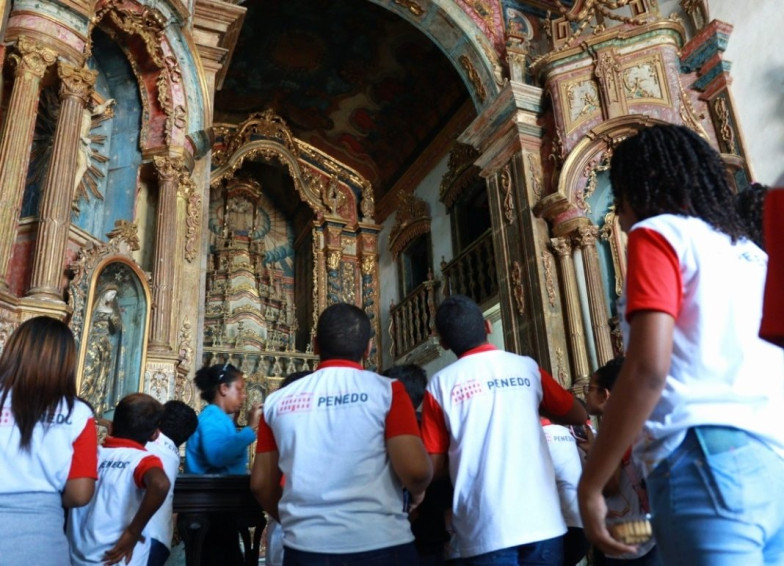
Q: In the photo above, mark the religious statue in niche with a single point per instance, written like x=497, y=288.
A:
x=114, y=340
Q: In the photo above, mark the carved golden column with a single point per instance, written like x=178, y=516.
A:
x=571, y=301
x=57, y=193
x=31, y=63
x=164, y=270
x=585, y=237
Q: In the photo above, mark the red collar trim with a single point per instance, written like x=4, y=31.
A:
x=113, y=442
x=544, y=421
x=478, y=350
x=339, y=364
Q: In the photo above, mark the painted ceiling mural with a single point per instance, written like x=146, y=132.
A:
x=350, y=78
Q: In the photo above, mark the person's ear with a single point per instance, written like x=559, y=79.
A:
x=488, y=327
x=366, y=353
x=155, y=435
x=222, y=389
x=316, y=349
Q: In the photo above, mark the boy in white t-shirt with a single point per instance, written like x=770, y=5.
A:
x=131, y=486
x=178, y=423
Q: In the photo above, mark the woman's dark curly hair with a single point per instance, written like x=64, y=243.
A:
x=668, y=169
x=750, y=205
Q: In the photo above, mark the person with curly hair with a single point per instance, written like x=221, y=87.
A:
x=699, y=390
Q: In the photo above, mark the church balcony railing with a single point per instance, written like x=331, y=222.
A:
x=473, y=272
x=266, y=367
x=413, y=321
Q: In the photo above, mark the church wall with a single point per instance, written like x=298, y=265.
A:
x=758, y=79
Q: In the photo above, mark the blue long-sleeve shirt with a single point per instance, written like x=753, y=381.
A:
x=217, y=447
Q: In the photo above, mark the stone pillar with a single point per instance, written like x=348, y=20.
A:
x=17, y=135
x=57, y=193
x=165, y=258
x=571, y=301
x=585, y=237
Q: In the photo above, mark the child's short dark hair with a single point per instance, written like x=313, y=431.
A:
x=343, y=332
x=460, y=324
x=137, y=417
x=179, y=421
x=608, y=373
x=413, y=378
x=294, y=376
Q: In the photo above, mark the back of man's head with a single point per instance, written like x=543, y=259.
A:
x=608, y=373
x=179, y=421
x=343, y=332
x=137, y=417
x=413, y=378
x=460, y=324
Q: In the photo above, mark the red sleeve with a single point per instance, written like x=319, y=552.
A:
x=84, y=463
x=147, y=464
x=434, y=432
x=265, y=440
x=653, y=275
x=401, y=418
x=557, y=400
x=772, y=328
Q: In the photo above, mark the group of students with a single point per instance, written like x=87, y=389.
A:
x=342, y=461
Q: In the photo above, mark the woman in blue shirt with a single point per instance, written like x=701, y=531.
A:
x=217, y=447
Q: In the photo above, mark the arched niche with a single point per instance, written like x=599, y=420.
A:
x=261, y=176
x=111, y=302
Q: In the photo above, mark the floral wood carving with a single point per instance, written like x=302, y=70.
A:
x=506, y=189
x=461, y=174
x=473, y=77
x=265, y=124
x=412, y=220
x=517, y=287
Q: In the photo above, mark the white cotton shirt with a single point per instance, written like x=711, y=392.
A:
x=160, y=527
x=568, y=469
x=721, y=372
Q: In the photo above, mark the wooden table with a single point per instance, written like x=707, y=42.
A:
x=200, y=500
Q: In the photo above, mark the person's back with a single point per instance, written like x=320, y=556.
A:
x=482, y=414
x=131, y=486
x=177, y=424
x=343, y=491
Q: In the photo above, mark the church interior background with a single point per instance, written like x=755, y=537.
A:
x=190, y=182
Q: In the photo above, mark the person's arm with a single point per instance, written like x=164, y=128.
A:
x=558, y=404
x=435, y=435
x=80, y=485
x=265, y=477
x=223, y=444
x=404, y=444
x=156, y=487
x=636, y=392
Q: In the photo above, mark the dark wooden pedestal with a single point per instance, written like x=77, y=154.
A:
x=202, y=500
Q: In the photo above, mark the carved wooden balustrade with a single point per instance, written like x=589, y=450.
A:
x=473, y=272
x=413, y=321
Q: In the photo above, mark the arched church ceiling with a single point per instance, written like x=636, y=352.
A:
x=356, y=80
x=351, y=78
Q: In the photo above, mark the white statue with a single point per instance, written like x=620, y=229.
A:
x=103, y=110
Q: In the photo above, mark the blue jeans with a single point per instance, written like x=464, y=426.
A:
x=718, y=500
x=159, y=554
x=548, y=552
x=402, y=555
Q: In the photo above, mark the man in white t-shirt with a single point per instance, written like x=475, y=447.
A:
x=481, y=421
x=348, y=443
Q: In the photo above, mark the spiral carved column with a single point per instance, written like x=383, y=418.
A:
x=75, y=86
x=32, y=61
x=574, y=319
x=585, y=237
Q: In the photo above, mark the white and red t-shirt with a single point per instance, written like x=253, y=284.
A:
x=161, y=525
x=483, y=412
x=63, y=447
x=96, y=527
x=330, y=431
x=721, y=372
x=568, y=467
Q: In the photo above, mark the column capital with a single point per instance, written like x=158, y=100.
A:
x=34, y=57
x=586, y=236
x=168, y=168
x=561, y=246
x=75, y=81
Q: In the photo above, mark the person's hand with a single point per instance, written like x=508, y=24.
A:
x=593, y=510
x=587, y=444
x=254, y=415
x=415, y=501
x=123, y=548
